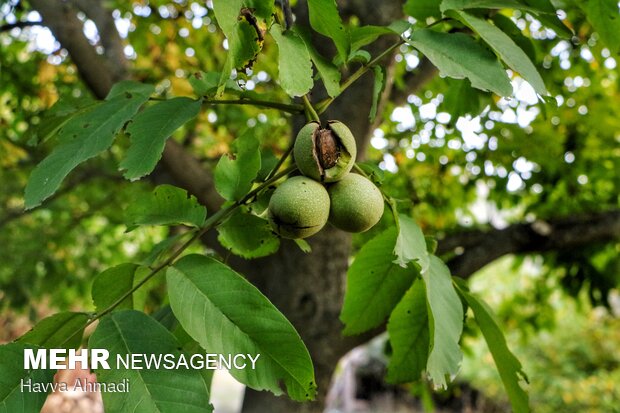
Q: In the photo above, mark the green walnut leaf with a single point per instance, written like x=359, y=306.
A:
x=166, y=205
x=268, y=161
x=408, y=329
x=459, y=56
x=446, y=322
x=509, y=367
x=372, y=170
x=549, y=18
x=261, y=8
x=327, y=70
x=506, y=48
x=246, y=41
x=605, y=18
x=160, y=248
x=294, y=64
x=110, y=285
x=377, y=89
x=324, y=19
x=206, y=83
x=364, y=35
x=61, y=330
x=422, y=9
x=85, y=136
x=243, y=32
x=149, y=131
x=248, y=236
x=462, y=99
x=235, y=173
x=226, y=314
x=487, y=4
x=226, y=13
x=375, y=284
x=12, y=374
x=57, y=116
x=152, y=390
x=410, y=244
x=511, y=29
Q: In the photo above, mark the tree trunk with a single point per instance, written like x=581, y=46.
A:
x=308, y=288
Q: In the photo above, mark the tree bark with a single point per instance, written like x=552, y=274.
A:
x=475, y=249
x=62, y=20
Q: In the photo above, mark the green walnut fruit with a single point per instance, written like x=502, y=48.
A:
x=298, y=208
x=356, y=204
x=325, y=154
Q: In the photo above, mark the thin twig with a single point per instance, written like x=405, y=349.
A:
x=281, y=160
x=19, y=25
x=322, y=106
x=309, y=110
x=285, y=107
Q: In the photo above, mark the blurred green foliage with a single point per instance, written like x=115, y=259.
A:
x=570, y=350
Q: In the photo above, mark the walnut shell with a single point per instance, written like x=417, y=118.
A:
x=325, y=154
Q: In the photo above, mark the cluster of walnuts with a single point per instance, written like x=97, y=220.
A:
x=302, y=205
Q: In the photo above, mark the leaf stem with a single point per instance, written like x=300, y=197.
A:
x=285, y=107
x=322, y=106
x=309, y=110
x=281, y=160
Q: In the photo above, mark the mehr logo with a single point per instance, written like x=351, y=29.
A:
x=37, y=359
x=97, y=359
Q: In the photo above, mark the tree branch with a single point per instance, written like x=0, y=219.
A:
x=19, y=25
x=188, y=171
x=108, y=35
x=61, y=19
x=475, y=249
